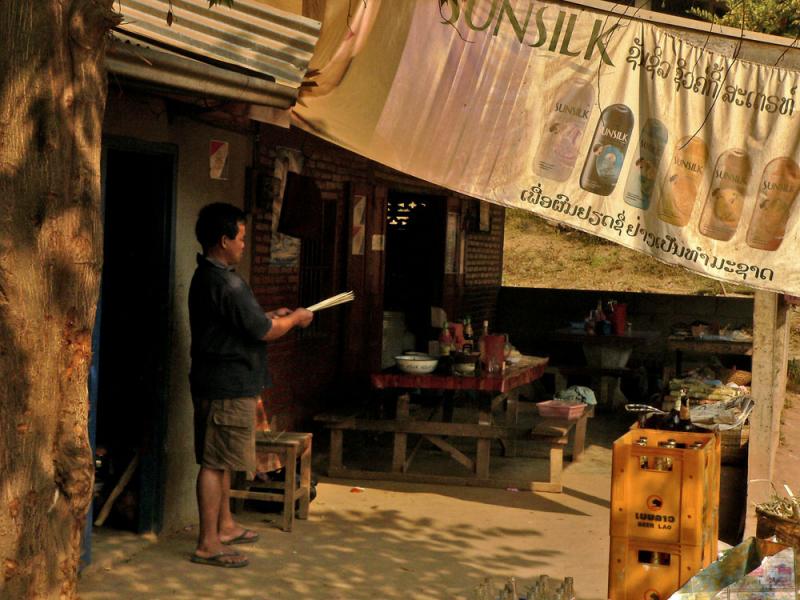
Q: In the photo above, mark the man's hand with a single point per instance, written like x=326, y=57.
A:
x=304, y=316
x=279, y=312
x=282, y=324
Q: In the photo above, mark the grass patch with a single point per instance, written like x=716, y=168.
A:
x=793, y=375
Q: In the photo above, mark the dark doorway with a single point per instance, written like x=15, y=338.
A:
x=134, y=330
x=414, y=254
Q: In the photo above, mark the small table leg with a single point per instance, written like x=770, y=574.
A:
x=580, y=437
x=400, y=439
x=335, y=458
x=305, y=480
x=484, y=446
x=290, y=484
x=512, y=418
x=556, y=465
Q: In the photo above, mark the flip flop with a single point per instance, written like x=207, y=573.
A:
x=216, y=560
x=244, y=538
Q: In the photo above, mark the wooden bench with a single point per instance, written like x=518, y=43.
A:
x=289, y=446
x=555, y=433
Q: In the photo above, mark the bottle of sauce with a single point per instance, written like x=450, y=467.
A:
x=446, y=349
x=445, y=340
x=481, y=342
x=590, y=323
x=469, y=336
x=599, y=314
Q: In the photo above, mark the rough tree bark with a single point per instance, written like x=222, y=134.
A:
x=52, y=99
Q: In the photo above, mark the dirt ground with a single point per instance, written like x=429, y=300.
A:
x=389, y=540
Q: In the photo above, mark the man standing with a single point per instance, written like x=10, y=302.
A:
x=229, y=370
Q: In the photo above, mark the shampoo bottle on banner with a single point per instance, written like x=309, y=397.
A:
x=607, y=150
x=776, y=195
x=679, y=188
x=723, y=207
x=642, y=177
x=563, y=131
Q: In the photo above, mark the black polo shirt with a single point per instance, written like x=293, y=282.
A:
x=229, y=356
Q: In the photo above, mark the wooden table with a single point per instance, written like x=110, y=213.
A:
x=706, y=345
x=497, y=391
x=607, y=354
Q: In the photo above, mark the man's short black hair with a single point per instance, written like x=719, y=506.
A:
x=216, y=220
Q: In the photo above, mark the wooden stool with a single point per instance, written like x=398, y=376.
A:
x=289, y=446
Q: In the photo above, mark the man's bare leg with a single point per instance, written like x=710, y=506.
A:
x=210, y=483
x=227, y=526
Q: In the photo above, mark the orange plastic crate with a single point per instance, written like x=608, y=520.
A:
x=677, y=506
x=640, y=570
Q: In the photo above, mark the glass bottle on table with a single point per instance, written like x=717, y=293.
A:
x=685, y=423
x=673, y=419
x=468, y=337
x=445, y=348
x=483, y=334
x=445, y=340
x=599, y=315
x=590, y=323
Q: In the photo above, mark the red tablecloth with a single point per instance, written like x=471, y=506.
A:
x=527, y=370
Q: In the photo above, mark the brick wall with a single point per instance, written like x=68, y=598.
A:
x=304, y=369
x=483, y=270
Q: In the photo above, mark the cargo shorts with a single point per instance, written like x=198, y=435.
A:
x=224, y=433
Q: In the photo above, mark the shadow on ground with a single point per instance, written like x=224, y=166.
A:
x=390, y=540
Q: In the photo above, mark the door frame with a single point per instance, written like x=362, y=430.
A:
x=152, y=465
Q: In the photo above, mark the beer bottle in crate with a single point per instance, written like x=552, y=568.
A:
x=685, y=422
x=673, y=419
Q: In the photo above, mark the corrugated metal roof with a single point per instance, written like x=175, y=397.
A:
x=250, y=35
x=127, y=57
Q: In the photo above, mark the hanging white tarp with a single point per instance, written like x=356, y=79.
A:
x=609, y=125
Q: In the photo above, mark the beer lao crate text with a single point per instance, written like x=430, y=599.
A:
x=642, y=570
x=665, y=487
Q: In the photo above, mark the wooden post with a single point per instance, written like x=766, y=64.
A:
x=400, y=439
x=770, y=356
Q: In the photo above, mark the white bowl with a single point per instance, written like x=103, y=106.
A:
x=416, y=364
x=464, y=368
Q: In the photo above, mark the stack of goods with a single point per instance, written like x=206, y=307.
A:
x=702, y=390
x=664, y=511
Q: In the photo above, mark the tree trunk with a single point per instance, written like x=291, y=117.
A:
x=52, y=99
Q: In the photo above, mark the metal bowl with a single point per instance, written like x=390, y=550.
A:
x=416, y=364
